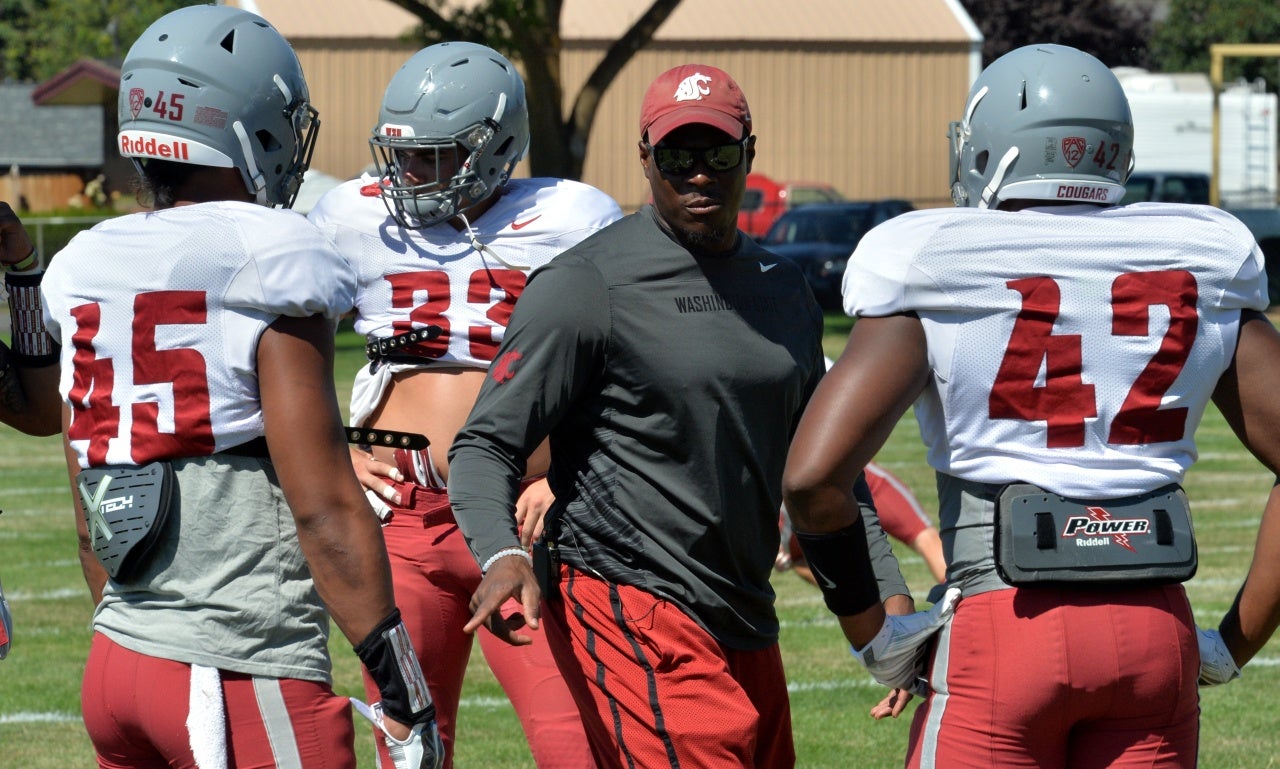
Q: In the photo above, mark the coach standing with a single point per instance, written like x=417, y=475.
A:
x=668, y=358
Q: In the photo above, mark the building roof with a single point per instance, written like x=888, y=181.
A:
x=845, y=21
x=88, y=81
x=33, y=136
x=705, y=20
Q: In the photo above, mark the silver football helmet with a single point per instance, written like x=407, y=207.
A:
x=461, y=106
x=218, y=86
x=1043, y=122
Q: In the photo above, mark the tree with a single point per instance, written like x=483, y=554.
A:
x=528, y=32
x=1115, y=32
x=1181, y=43
x=39, y=38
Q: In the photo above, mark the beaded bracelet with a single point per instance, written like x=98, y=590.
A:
x=503, y=553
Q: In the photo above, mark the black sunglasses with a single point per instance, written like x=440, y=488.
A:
x=678, y=161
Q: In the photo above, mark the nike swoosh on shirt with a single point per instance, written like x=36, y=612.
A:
x=766, y=267
x=525, y=223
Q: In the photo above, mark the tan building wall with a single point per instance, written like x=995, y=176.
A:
x=347, y=79
x=854, y=93
x=872, y=123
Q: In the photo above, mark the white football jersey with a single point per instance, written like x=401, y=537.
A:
x=1075, y=348
x=411, y=279
x=159, y=316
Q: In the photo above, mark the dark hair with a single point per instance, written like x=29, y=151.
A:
x=156, y=185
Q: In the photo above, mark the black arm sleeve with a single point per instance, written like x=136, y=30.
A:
x=552, y=348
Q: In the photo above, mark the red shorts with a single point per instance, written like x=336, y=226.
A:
x=656, y=690
x=135, y=710
x=1050, y=678
x=435, y=575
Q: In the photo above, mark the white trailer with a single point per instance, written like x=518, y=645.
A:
x=1173, y=131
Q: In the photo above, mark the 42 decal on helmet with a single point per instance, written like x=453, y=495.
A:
x=1074, y=149
x=168, y=108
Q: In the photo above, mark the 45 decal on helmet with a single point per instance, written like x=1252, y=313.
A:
x=218, y=86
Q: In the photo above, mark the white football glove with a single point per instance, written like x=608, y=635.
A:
x=422, y=749
x=895, y=657
x=1216, y=663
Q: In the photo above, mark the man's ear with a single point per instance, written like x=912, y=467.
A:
x=751, y=151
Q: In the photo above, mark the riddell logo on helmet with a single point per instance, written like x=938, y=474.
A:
x=154, y=148
x=1080, y=192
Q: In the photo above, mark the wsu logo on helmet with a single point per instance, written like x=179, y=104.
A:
x=136, y=98
x=693, y=88
x=1073, y=150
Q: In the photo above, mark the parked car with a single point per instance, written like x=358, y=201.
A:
x=821, y=236
x=766, y=199
x=1168, y=186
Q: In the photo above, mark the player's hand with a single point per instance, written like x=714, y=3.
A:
x=895, y=657
x=508, y=577
x=1217, y=666
x=531, y=509
x=374, y=475
x=15, y=244
x=421, y=748
x=6, y=625
x=892, y=706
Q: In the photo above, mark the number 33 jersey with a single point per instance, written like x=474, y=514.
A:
x=1076, y=347
x=437, y=276
x=159, y=315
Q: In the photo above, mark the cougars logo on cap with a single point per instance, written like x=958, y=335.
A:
x=693, y=88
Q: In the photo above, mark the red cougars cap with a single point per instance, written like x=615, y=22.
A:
x=694, y=93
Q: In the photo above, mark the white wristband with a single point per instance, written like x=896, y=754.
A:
x=503, y=553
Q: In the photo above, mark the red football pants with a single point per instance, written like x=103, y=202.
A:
x=656, y=690
x=135, y=710
x=435, y=576
x=1048, y=678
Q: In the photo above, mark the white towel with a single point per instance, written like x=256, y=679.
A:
x=207, y=719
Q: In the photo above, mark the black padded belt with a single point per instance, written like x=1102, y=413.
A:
x=1042, y=538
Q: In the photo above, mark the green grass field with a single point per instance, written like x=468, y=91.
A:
x=40, y=725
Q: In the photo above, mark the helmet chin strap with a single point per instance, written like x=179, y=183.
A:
x=990, y=192
x=485, y=250
x=259, y=181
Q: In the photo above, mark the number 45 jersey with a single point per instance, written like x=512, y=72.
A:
x=159, y=315
x=1073, y=347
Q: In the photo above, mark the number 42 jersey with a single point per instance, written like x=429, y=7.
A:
x=159, y=315
x=1074, y=347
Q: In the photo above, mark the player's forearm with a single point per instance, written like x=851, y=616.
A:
x=860, y=628
x=43, y=403
x=348, y=561
x=1254, y=616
